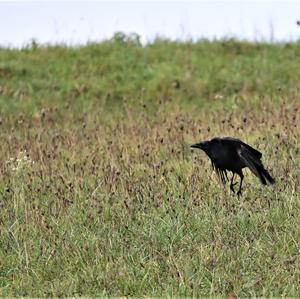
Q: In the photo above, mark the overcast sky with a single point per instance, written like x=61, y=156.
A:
x=79, y=22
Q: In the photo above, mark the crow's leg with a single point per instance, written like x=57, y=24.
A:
x=231, y=182
x=239, y=193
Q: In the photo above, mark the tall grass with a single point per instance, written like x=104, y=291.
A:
x=100, y=192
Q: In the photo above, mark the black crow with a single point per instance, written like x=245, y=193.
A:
x=233, y=155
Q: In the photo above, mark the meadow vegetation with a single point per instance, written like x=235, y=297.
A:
x=100, y=193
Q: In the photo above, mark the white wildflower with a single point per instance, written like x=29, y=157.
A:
x=218, y=96
x=20, y=162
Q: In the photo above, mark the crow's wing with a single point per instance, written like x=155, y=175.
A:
x=255, y=152
x=221, y=173
x=252, y=161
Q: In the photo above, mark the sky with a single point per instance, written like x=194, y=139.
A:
x=78, y=22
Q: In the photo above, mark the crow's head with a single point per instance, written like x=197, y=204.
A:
x=204, y=145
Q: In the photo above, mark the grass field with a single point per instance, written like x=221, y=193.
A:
x=100, y=192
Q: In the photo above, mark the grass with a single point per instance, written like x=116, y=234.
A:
x=100, y=192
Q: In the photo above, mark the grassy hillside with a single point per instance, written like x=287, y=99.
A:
x=100, y=193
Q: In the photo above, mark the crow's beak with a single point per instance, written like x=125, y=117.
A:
x=197, y=145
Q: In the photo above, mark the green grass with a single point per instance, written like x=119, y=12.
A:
x=100, y=192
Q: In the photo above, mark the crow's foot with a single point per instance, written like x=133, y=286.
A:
x=231, y=187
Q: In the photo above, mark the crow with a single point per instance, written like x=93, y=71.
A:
x=231, y=154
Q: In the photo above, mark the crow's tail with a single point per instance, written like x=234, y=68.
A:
x=255, y=166
x=265, y=177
